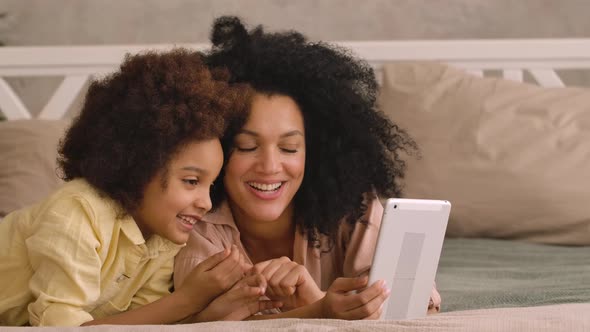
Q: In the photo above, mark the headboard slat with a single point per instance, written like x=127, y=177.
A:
x=513, y=74
x=64, y=96
x=547, y=77
x=10, y=104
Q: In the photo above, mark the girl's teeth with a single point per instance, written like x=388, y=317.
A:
x=191, y=221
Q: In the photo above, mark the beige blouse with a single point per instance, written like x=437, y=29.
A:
x=350, y=256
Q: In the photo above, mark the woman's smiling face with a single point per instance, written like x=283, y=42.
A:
x=267, y=164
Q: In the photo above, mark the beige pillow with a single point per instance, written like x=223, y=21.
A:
x=28, y=152
x=513, y=158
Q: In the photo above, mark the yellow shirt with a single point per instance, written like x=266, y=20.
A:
x=70, y=259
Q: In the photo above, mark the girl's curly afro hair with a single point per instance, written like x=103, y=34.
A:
x=353, y=151
x=134, y=120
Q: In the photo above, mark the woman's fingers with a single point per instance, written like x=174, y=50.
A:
x=275, y=271
x=375, y=315
x=259, y=267
x=345, y=285
x=255, y=280
x=368, y=302
x=284, y=281
x=268, y=268
x=350, y=298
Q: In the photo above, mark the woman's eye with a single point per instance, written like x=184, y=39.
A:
x=289, y=147
x=192, y=182
x=245, y=149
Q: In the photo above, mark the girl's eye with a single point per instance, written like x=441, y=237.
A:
x=192, y=182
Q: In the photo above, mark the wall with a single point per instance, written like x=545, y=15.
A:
x=76, y=22
x=42, y=22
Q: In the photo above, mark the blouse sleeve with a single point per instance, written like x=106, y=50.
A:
x=358, y=245
x=63, y=254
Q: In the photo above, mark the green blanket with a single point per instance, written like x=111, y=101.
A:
x=484, y=273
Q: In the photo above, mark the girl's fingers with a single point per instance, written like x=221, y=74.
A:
x=213, y=260
x=230, y=262
x=259, y=306
x=228, y=271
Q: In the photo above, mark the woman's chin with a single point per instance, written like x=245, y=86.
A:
x=265, y=216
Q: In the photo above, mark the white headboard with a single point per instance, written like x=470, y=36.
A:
x=77, y=64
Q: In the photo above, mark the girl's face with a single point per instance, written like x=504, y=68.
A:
x=266, y=167
x=172, y=211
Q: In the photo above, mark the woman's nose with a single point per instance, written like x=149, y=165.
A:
x=269, y=162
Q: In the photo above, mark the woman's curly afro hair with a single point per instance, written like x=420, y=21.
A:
x=134, y=120
x=353, y=151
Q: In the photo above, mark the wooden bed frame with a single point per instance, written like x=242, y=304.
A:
x=77, y=64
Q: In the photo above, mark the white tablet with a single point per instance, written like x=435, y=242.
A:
x=407, y=254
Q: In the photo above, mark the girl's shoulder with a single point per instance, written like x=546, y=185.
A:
x=79, y=194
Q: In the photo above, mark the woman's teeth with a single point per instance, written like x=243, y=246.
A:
x=265, y=186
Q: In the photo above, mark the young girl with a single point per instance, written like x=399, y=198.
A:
x=139, y=160
x=303, y=175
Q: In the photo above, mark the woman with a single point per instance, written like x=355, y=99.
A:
x=303, y=176
x=139, y=162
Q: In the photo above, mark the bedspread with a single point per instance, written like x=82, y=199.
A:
x=564, y=317
x=486, y=273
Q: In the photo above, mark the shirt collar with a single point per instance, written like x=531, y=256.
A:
x=155, y=243
x=221, y=216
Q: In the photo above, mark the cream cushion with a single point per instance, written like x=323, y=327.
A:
x=513, y=158
x=28, y=152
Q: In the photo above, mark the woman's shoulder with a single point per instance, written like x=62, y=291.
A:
x=369, y=221
x=373, y=211
x=216, y=231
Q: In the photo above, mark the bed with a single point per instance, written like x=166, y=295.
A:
x=501, y=136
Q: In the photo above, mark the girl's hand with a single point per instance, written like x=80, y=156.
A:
x=241, y=301
x=341, y=302
x=288, y=282
x=212, y=277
